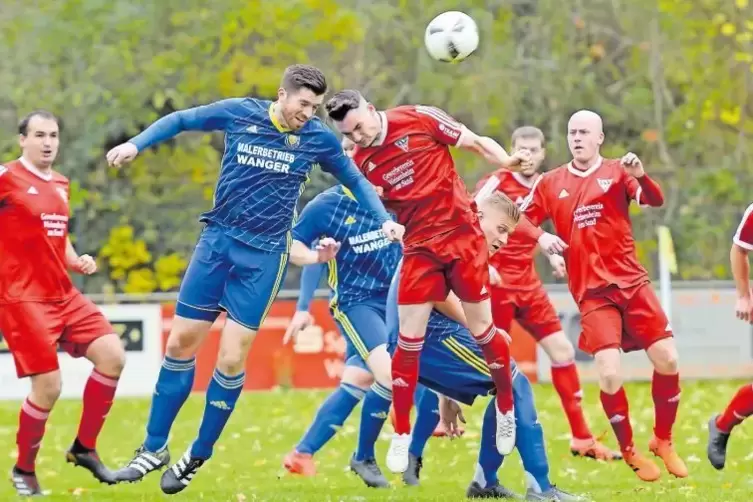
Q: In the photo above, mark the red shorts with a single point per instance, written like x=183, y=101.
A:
x=457, y=260
x=630, y=319
x=532, y=309
x=33, y=331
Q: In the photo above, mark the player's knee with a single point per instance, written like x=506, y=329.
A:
x=559, y=348
x=183, y=343
x=110, y=357
x=357, y=378
x=664, y=356
x=46, y=388
x=610, y=380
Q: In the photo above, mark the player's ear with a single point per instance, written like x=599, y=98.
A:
x=281, y=94
x=601, y=138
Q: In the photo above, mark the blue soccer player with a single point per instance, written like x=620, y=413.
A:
x=453, y=366
x=242, y=254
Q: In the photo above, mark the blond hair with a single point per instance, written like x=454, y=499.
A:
x=502, y=203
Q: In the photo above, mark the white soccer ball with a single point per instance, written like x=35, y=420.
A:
x=451, y=37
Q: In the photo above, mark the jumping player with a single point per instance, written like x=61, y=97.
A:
x=522, y=297
x=242, y=255
x=40, y=309
x=741, y=406
x=588, y=201
x=405, y=151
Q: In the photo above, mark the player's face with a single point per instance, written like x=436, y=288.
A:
x=497, y=227
x=361, y=125
x=538, y=154
x=40, y=145
x=584, y=137
x=299, y=106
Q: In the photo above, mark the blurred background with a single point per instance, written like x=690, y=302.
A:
x=670, y=77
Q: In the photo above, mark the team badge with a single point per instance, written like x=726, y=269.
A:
x=604, y=184
x=292, y=140
x=402, y=144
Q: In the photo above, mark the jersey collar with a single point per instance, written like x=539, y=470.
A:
x=584, y=174
x=275, y=122
x=526, y=182
x=33, y=170
x=383, y=133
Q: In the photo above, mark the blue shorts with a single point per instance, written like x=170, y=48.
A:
x=454, y=366
x=364, y=328
x=226, y=274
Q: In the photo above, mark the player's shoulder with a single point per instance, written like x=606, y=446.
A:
x=557, y=174
x=59, y=179
x=329, y=197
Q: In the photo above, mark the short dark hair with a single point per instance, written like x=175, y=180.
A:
x=23, y=125
x=528, y=132
x=342, y=102
x=298, y=76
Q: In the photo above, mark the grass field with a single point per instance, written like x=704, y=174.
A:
x=246, y=464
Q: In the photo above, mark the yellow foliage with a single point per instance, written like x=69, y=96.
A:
x=730, y=116
x=728, y=29
x=169, y=269
x=141, y=280
x=741, y=4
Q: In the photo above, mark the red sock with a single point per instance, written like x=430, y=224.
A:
x=566, y=382
x=497, y=354
x=616, y=408
x=404, y=380
x=737, y=410
x=665, y=389
x=98, y=395
x=31, y=421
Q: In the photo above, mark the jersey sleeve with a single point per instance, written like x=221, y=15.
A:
x=440, y=125
x=310, y=224
x=310, y=278
x=744, y=235
x=212, y=117
x=4, y=182
x=486, y=186
x=534, y=205
x=339, y=165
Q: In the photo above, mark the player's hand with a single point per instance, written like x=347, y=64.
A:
x=558, y=264
x=449, y=413
x=494, y=278
x=327, y=249
x=301, y=320
x=393, y=230
x=520, y=158
x=122, y=154
x=551, y=244
x=744, y=308
x=379, y=191
x=85, y=265
x=632, y=165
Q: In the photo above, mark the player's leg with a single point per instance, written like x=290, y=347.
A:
x=720, y=426
x=198, y=307
x=469, y=279
x=253, y=282
x=30, y=330
x=538, y=316
x=330, y=416
x=427, y=419
x=647, y=328
x=601, y=335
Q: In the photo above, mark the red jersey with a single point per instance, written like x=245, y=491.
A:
x=744, y=235
x=411, y=161
x=34, y=222
x=515, y=260
x=589, y=210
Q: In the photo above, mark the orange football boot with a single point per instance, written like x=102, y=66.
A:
x=300, y=463
x=664, y=449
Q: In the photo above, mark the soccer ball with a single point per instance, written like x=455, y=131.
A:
x=451, y=37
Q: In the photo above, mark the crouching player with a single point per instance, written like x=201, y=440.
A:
x=453, y=366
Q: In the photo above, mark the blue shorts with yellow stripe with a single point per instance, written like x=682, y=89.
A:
x=364, y=328
x=227, y=275
x=453, y=365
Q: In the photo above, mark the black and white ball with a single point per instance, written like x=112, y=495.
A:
x=451, y=37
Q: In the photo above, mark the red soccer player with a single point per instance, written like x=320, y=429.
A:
x=40, y=308
x=521, y=295
x=405, y=151
x=741, y=406
x=588, y=200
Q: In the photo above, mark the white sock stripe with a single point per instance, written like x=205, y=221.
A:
x=104, y=379
x=411, y=346
x=179, y=366
x=227, y=383
x=30, y=410
x=382, y=391
x=353, y=391
x=487, y=337
x=562, y=365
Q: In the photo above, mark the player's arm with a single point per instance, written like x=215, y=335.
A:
x=310, y=227
x=491, y=150
x=342, y=167
x=640, y=187
x=535, y=212
x=212, y=117
x=742, y=245
x=302, y=319
x=83, y=264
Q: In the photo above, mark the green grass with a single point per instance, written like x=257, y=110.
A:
x=246, y=464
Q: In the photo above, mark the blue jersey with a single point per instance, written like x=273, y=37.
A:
x=264, y=168
x=366, y=262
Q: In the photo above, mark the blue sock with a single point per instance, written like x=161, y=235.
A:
x=530, y=436
x=222, y=394
x=376, y=409
x=330, y=417
x=489, y=459
x=171, y=391
x=426, y=420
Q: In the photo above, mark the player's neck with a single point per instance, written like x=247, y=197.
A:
x=44, y=170
x=586, y=165
x=277, y=112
